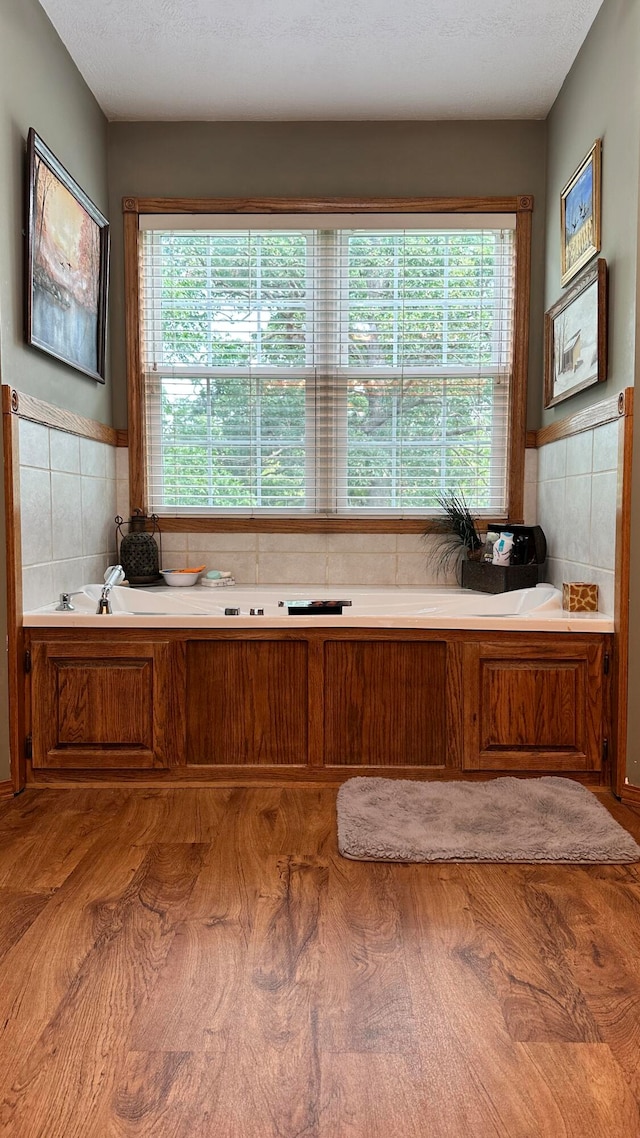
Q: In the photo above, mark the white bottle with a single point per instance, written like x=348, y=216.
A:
x=502, y=548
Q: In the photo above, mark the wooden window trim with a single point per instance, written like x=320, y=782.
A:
x=521, y=206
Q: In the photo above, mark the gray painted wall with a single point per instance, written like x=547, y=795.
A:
x=400, y=159
x=40, y=87
x=601, y=99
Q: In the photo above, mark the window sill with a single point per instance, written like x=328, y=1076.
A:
x=214, y=523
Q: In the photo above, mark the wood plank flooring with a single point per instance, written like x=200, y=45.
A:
x=201, y=963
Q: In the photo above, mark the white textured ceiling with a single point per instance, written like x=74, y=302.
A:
x=323, y=59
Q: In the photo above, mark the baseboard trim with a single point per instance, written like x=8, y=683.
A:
x=630, y=795
x=6, y=789
x=304, y=778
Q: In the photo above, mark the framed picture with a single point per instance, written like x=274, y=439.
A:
x=575, y=336
x=580, y=214
x=67, y=266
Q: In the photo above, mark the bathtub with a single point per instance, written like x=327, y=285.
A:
x=538, y=609
x=413, y=681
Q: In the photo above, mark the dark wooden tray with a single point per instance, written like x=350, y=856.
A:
x=487, y=578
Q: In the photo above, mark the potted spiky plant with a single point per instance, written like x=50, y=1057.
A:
x=454, y=536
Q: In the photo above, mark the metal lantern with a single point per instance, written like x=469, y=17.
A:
x=139, y=555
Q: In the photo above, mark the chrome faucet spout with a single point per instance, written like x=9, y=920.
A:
x=113, y=576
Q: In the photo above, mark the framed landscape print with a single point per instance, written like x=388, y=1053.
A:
x=580, y=214
x=67, y=265
x=575, y=337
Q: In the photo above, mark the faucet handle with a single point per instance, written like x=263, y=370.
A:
x=64, y=604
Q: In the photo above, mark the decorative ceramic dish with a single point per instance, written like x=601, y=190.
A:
x=180, y=578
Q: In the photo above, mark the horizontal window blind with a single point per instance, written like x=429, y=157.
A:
x=327, y=370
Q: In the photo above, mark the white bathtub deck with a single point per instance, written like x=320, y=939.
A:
x=530, y=610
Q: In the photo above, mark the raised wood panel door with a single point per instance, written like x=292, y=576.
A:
x=247, y=703
x=385, y=704
x=100, y=704
x=105, y=706
x=534, y=708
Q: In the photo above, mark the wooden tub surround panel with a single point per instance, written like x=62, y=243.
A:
x=246, y=702
x=385, y=704
x=316, y=704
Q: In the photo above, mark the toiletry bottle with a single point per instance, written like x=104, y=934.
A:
x=502, y=549
x=492, y=537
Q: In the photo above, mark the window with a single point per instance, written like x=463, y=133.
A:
x=326, y=365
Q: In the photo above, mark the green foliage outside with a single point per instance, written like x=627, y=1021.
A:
x=234, y=436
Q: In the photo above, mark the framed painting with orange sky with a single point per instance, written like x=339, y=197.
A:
x=67, y=265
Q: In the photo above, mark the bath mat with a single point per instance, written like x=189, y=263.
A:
x=501, y=820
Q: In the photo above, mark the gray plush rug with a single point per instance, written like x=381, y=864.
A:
x=502, y=819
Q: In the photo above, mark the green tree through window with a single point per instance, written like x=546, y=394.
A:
x=327, y=371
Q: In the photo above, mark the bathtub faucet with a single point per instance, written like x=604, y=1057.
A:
x=113, y=576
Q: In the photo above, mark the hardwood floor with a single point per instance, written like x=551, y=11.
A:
x=201, y=962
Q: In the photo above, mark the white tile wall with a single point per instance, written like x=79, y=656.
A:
x=580, y=453
x=308, y=559
x=68, y=490
x=34, y=444
x=531, y=486
x=35, y=502
x=122, y=481
x=577, y=515
x=576, y=507
x=605, y=447
x=93, y=458
x=552, y=461
x=290, y=568
x=65, y=452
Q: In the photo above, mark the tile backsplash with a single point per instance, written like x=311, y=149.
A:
x=577, y=492
x=68, y=503
x=308, y=559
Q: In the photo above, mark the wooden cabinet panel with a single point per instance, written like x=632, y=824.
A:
x=534, y=707
x=246, y=702
x=100, y=702
x=385, y=703
x=106, y=706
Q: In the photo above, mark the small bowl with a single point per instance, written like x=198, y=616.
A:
x=179, y=580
